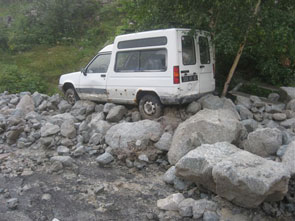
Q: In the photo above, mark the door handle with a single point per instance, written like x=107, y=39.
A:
x=103, y=75
x=202, y=66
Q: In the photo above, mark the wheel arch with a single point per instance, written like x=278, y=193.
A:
x=141, y=93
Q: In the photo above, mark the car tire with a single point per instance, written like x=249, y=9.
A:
x=150, y=107
x=71, y=96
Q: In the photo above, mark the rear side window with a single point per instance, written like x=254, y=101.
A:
x=188, y=50
x=204, y=50
x=143, y=42
x=141, y=60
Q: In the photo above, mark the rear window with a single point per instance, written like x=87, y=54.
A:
x=141, y=60
x=188, y=50
x=143, y=42
x=204, y=50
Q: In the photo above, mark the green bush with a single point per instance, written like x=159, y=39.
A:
x=14, y=81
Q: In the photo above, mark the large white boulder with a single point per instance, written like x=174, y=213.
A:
x=237, y=175
x=247, y=179
x=123, y=134
x=205, y=127
x=264, y=142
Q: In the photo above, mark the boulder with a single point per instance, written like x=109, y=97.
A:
x=66, y=161
x=100, y=126
x=202, y=206
x=37, y=98
x=264, y=142
x=165, y=142
x=193, y=107
x=26, y=104
x=279, y=116
x=171, y=202
x=123, y=134
x=185, y=207
x=58, y=119
x=207, y=126
x=287, y=93
x=169, y=176
x=49, y=129
x=68, y=129
x=105, y=158
x=107, y=107
x=197, y=164
x=64, y=106
x=250, y=125
x=245, y=101
x=291, y=105
x=289, y=123
x=274, y=97
x=83, y=107
x=211, y=102
x=116, y=113
x=244, y=112
x=288, y=158
x=247, y=179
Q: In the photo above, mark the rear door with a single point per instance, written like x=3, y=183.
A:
x=188, y=64
x=206, y=62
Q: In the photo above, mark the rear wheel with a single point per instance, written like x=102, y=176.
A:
x=150, y=107
x=71, y=96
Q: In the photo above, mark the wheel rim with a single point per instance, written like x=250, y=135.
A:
x=71, y=99
x=149, y=108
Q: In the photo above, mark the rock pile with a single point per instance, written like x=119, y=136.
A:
x=243, y=152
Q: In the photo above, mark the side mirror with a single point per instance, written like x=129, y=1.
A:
x=83, y=70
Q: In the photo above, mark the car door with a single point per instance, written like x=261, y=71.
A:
x=205, y=53
x=92, y=83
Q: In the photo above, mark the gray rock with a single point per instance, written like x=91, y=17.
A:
x=245, y=101
x=100, y=126
x=66, y=161
x=247, y=179
x=288, y=158
x=58, y=119
x=274, y=97
x=62, y=150
x=12, y=203
x=107, y=107
x=250, y=125
x=255, y=99
x=291, y=105
x=54, y=99
x=68, y=129
x=207, y=126
x=135, y=116
x=201, y=206
x=193, y=107
x=165, y=142
x=49, y=129
x=14, y=134
x=244, y=112
x=281, y=151
x=14, y=100
x=143, y=157
x=99, y=108
x=289, y=123
x=211, y=102
x=210, y=216
x=169, y=176
x=79, y=151
x=105, y=158
x=185, y=207
x=37, y=98
x=264, y=142
x=26, y=104
x=279, y=116
x=171, y=202
x=123, y=134
x=287, y=93
x=116, y=113
x=96, y=139
x=64, y=106
x=197, y=164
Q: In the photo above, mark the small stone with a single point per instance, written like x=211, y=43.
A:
x=49, y=129
x=201, y=206
x=185, y=207
x=46, y=197
x=165, y=142
x=98, y=189
x=274, y=97
x=143, y=157
x=105, y=158
x=193, y=107
x=12, y=203
x=281, y=151
x=279, y=116
x=171, y=202
x=65, y=160
x=135, y=116
x=169, y=176
x=79, y=151
x=138, y=143
x=210, y=216
x=62, y=150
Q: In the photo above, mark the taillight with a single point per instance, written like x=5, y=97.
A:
x=176, y=75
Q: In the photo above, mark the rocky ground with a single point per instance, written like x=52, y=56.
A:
x=102, y=162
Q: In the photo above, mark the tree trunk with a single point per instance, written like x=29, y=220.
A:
x=238, y=56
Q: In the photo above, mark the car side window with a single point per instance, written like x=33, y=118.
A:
x=100, y=64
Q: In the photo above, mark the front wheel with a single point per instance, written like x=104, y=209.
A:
x=71, y=96
x=150, y=107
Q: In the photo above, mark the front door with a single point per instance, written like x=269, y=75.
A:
x=92, y=84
